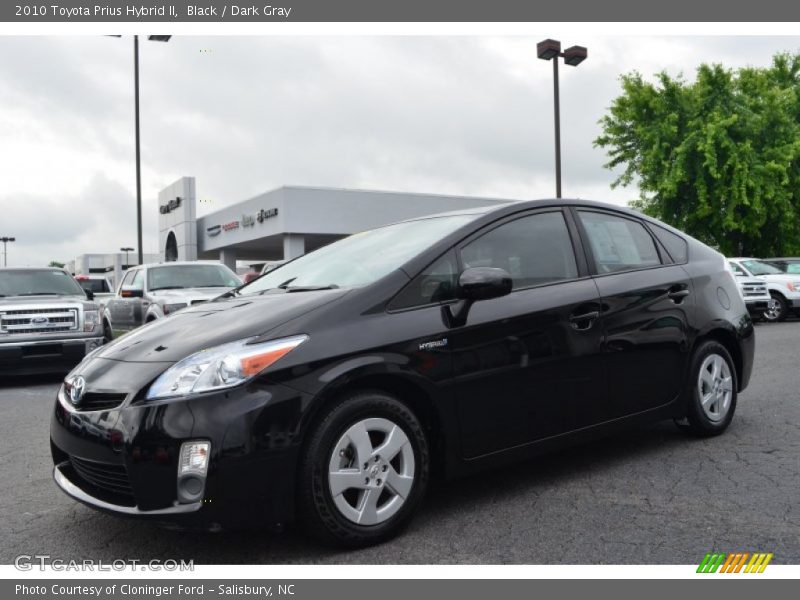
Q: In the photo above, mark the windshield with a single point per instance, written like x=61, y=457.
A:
x=175, y=277
x=98, y=286
x=359, y=259
x=38, y=282
x=757, y=267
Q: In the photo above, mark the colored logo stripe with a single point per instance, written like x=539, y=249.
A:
x=734, y=562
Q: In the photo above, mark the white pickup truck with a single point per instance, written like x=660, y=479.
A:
x=48, y=323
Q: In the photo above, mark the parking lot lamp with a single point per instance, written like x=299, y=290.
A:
x=126, y=249
x=573, y=56
x=5, y=241
x=152, y=38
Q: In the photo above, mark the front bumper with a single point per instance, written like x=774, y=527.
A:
x=124, y=460
x=45, y=355
x=757, y=307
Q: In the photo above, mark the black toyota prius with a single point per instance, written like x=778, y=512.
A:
x=328, y=390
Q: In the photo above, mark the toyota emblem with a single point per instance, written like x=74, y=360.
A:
x=76, y=390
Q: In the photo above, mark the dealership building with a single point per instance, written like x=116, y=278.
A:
x=284, y=223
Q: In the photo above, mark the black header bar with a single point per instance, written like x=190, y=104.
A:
x=398, y=11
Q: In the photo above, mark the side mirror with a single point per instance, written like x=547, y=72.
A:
x=89, y=294
x=476, y=283
x=127, y=292
x=484, y=283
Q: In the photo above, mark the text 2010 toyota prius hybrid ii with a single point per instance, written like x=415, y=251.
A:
x=329, y=389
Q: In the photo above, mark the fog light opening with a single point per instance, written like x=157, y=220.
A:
x=192, y=469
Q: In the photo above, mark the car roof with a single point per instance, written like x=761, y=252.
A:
x=517, y=205
x=174, y=263
x=32, y=269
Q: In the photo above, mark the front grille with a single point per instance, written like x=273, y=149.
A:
x=100, y=401
x=754, y=289
x=39, y=320
x=106, y=477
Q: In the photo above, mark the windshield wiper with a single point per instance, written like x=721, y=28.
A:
x=285, y=284
x=310, y=288
x=168, y=287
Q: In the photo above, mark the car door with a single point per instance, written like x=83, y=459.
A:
x=130, y=305
x=116, y=306
x=647, y=304
x=526, y=366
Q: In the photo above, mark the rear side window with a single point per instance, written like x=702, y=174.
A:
x=437, y=283
x=676, y=246
x=617, y=243
x=535, y=250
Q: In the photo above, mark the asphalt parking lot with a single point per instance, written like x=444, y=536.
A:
x=651, y=496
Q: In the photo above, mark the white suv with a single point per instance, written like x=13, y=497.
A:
x=784, y=289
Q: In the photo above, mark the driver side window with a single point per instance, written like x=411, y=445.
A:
x=126, y=281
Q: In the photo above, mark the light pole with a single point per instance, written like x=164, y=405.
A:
x=126, y=250
x=573, y=56
x=5, y=241
x=152, y=38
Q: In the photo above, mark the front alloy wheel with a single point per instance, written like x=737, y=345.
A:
x=364, y=470
x=776, y=309
x=370, y=484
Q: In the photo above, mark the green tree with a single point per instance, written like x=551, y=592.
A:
x=55, y=263
x=717, y=157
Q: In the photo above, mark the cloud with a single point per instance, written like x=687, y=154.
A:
x=458, y=115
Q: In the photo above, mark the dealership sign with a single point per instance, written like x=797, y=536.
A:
x=248, y=220
x=263, y=215
x=173, y=204
x=214, y=230
x=230, y=226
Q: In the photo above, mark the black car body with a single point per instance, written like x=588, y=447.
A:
x=614, y=320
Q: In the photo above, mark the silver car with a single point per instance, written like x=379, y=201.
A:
x=150, y=292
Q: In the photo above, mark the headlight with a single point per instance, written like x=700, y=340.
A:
x=221, y=367
x=91, y=319
x=171, y=308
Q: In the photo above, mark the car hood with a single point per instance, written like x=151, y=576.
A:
x=779, y=278
x=187, y=294
x=206, y=325
x=26, y=300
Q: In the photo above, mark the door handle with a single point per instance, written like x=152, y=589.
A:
x=583, y=321
x=677, y=294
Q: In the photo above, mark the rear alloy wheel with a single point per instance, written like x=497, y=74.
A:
x=776, y=309
x=711, y=391
x=364, y=471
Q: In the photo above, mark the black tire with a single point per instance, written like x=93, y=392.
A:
x=696, y=421
x=781, y=309
x=318, y=513
x=108, y=336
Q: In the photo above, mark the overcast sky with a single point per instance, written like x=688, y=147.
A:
x=452, y=115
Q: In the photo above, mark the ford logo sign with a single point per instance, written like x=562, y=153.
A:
x=40, y=321
x=76, y=389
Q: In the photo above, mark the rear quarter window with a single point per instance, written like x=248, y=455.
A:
x=676, y=246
